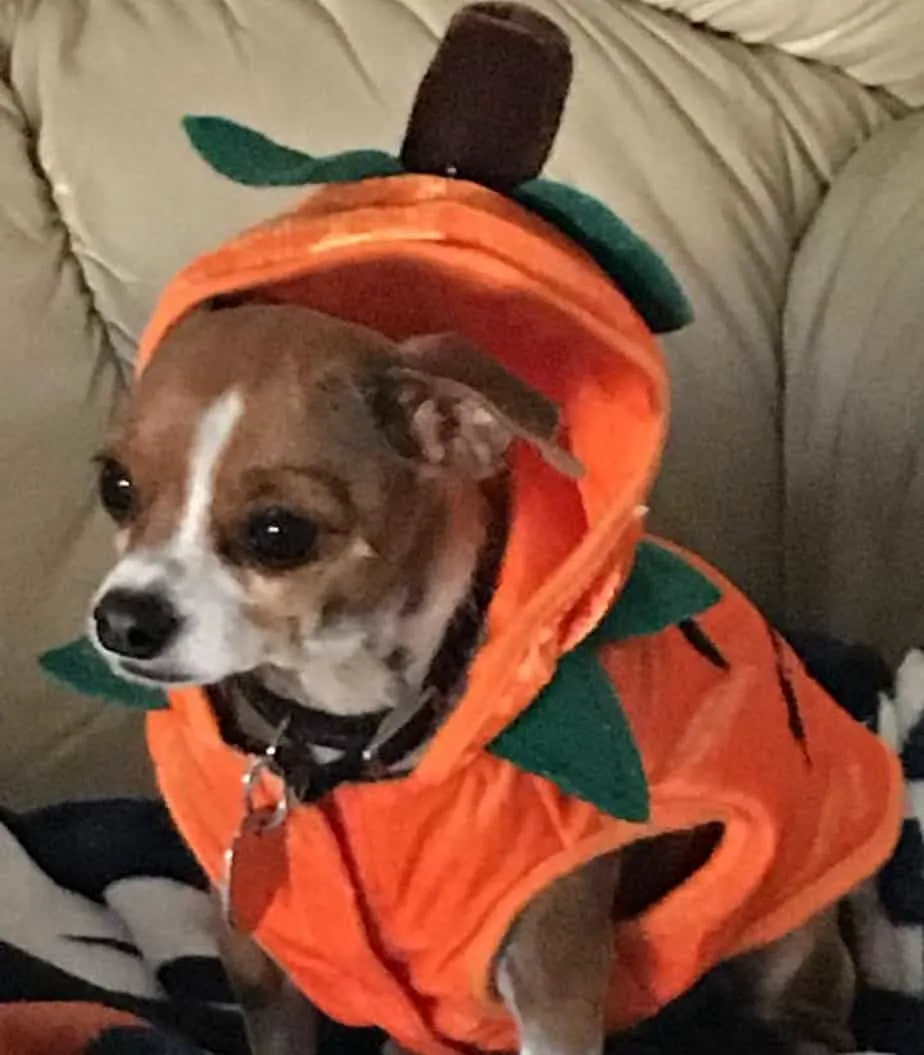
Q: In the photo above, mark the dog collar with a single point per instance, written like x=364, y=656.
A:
x=364, y=753
x=307, y=725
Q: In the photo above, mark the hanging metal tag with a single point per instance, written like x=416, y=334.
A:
x=256, y=862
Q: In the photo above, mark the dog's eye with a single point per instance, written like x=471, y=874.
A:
x=116, y=490
x=277, y=539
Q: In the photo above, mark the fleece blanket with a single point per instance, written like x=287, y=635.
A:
x=107, y=935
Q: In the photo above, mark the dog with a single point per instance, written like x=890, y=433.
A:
x=304, y=510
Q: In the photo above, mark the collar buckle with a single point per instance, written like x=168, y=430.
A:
x=266, y=763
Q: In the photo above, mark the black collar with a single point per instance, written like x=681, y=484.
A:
x=308, y=725
x=297, y=728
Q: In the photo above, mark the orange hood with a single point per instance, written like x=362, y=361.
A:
x=416, y=254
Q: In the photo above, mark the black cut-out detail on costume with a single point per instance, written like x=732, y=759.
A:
x=700, y=641
x=793, y=711
x=224, y=301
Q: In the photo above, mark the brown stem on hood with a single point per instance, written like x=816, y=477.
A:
x=490, y=103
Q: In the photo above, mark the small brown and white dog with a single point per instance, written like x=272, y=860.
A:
x=303, y=508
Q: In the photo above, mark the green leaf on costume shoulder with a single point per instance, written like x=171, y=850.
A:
x=79, y=666
x=253, y=159
x=576, y=735
x=630, y=262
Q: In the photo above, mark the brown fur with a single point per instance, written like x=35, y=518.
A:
x=306, y=441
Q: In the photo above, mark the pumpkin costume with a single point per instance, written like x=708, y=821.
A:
x=625, y=689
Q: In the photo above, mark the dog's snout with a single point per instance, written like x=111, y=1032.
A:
x=135, y=624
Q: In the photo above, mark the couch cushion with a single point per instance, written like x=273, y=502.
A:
x=881, y=44
x=57, y=382
x=855, y=409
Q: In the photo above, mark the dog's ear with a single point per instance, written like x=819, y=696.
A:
x=449, y=405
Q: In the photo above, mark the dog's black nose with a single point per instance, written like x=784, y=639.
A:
x=135, y=624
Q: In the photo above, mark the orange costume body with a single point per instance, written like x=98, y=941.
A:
x=399, y=894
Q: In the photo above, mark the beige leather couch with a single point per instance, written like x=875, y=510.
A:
x=769, y=148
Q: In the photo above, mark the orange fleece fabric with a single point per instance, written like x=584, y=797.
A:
x=56, y=1028
x=399, y=894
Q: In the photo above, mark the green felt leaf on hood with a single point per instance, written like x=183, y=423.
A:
x=248, y=157
x=251, y=158
x=576, y=734
x=79, y=666
x=631, y=263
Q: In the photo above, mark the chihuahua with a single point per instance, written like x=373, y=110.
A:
x=306, y=513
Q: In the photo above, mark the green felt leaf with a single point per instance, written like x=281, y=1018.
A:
x=633, y=265
x=81, y=667
x=662, y=591
x=576, y=734
x=251, y=158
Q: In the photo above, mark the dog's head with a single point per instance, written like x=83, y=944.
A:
x=301, y=496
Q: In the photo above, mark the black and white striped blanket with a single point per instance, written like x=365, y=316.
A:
x=100, y=902
x=888, y=913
